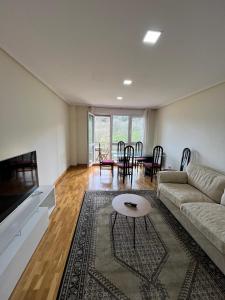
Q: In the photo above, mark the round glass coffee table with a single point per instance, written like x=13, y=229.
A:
x=142, y=209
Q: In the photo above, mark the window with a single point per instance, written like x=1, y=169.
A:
x=120, y=129
x=137, y=130
x=129, y=129
x=102, y=129
x=109, y=130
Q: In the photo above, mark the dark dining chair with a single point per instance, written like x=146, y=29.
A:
x=186, y=157
x=120, y=150
x=105, y=163
x=156, y=164
x=125, y=167
x=138, y=154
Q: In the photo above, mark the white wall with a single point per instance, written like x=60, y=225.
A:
x=73, y=135
x=82, y=145
x=32, y=118
x=197, y=122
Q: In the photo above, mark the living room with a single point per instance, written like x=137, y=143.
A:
x=76, y=78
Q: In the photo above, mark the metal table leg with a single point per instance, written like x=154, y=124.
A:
x=145, y=223
x=114, y=221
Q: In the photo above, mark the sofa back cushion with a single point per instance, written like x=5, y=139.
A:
x=207, y=180
x=223, y=199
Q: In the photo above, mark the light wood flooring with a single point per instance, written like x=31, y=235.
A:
x=41, y=278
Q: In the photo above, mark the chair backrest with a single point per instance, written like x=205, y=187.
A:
x=186, y=157
x=138, y=149
x=120, y=150
x=128, y=157
x=157, y=155
x=100, y=153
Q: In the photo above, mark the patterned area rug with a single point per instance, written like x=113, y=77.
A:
x=166, y=263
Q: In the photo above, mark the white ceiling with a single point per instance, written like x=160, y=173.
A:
x=83, y=49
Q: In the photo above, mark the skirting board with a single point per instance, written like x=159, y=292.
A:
x=14, y=259
x=59, y=179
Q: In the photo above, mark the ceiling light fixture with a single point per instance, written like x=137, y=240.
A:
x=127, y=82
x=151, y=37
x=119, y=98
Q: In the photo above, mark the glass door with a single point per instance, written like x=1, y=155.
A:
x=120, y=132
x=102, y=137
x=91, y=141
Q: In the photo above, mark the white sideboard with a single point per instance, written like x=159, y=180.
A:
x=20, y=234
x=45, y=195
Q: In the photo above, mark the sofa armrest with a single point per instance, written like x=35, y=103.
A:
x=172, y=177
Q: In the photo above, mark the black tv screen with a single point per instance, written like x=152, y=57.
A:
x=18, y=179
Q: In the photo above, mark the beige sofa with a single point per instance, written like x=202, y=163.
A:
x=194, y=198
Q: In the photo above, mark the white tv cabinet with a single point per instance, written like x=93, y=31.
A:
x=45, y=195
x=20, y=234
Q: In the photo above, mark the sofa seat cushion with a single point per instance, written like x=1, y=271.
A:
x=150, y=165
x=209, y=219
x=124, y=165
x=107, y=162
x=182, y=193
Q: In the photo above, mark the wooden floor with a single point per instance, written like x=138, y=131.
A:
x=43, y=274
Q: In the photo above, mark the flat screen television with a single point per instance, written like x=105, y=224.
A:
x=18, y=179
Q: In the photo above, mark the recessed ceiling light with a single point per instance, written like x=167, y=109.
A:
x=151, y=37
x=127, y=82
x=119, y=98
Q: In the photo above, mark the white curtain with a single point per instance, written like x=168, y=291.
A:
x=149, y=117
